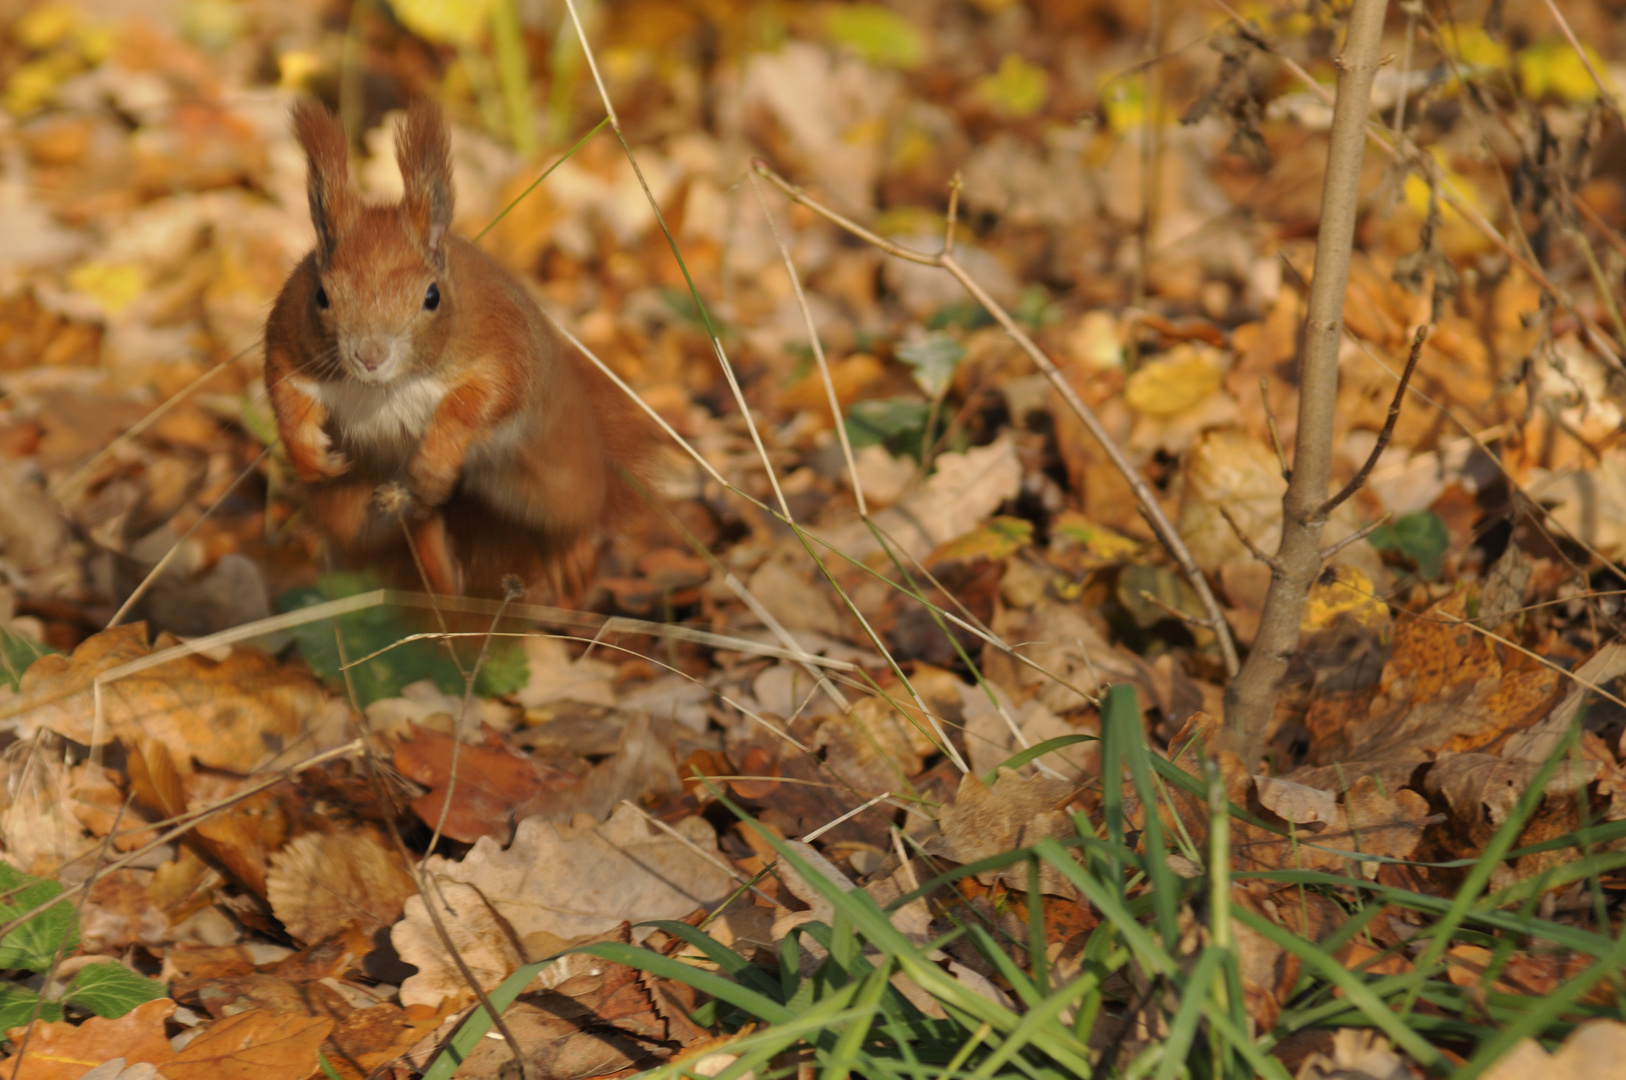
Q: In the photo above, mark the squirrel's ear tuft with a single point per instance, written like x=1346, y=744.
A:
x=423, y=149
x=334, y=201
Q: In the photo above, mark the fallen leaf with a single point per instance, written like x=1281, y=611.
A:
x=1016, y=812
x=256, y=1045
x=570, y=882
x=481, y=936
x=232, y=715
x=64, y=1051
x=319, y=883
x=492, y=782
x=1596, y=1050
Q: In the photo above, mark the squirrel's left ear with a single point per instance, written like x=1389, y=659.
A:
x=423, y=150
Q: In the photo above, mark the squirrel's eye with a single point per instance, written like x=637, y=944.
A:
x=431, y=299
x=321, y=298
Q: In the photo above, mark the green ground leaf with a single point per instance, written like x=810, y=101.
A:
x=16, y=654
x=378, y=628
x=1421, y=538
x=17, y=1005
x=36, y=942
x=110, y=989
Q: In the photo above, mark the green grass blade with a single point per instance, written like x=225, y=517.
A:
x=1354, y=987
x=1183, y=1028
x=1500, y=842
x=1037, y=750
x=1545, y=1011
x=1121, y=714
x=851, y=1040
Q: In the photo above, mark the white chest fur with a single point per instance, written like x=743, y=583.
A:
x=382, y=417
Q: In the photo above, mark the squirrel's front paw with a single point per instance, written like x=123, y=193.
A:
x=393, y=499
x=332, y=464
x=431, y=486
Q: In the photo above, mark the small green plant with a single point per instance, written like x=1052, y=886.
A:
x=391, y=663
x=105, y=987
x=1420, y=539
x=16, y=653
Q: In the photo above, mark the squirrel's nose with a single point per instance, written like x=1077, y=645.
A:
x=372, y=353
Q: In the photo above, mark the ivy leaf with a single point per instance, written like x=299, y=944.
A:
x=35, y=943
x=110, y=989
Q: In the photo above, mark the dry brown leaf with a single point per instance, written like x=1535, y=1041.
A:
x=482, y=937
x=1482, y=790
x=1596, y=1050
x=319, y=883
x=1443, y=688
x=493, y=781
x=232, y=715
x=570, y=882
x=255, y=1045
x=64, y=1051
x=1016, y=812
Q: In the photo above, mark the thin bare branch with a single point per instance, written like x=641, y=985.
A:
x=1247, y=541
x=1388, y=431
x=1250, y=699
x=1275, y=432
x=1355, y=537
x=1447, y=188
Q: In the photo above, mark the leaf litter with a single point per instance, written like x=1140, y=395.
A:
x=153, y=202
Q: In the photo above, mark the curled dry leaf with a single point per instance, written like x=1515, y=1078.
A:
x=1444, y=688
x=319, y=883
x=1482, y=790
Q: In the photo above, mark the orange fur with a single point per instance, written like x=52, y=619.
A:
x=511, y=448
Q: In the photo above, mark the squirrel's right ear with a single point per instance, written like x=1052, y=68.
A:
x=333, y=198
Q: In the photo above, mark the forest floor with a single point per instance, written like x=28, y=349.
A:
x=889, y=739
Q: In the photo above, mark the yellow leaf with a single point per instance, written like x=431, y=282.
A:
x=294, y=69
x=112, y=285
x=1348, y=593
x=878, y=34
x=1000, y=538
x=1553, y=67
x=1101, y=544
x=1095, y=342
x=1125, y=105
x=1477, y=49
x=33, y=84
x=452, y=22
x=45, y=27
x=1180, y=380
x=1017, y=89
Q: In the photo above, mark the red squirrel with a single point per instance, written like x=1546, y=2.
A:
x=415, y=380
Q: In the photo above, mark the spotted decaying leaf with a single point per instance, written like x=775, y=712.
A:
x=234, y=714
